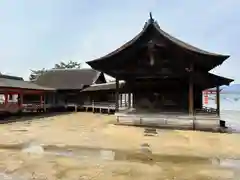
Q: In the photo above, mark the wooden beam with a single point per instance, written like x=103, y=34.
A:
x=218, y=101
x=117, y=95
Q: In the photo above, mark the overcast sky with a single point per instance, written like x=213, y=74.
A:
x=36, y=34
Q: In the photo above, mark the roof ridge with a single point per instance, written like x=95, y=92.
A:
x=179, y=42
x=68, y=78
x=70, y=69
x=5, y=76
x=108, y=83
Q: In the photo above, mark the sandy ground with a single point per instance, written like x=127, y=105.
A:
x=95, y=131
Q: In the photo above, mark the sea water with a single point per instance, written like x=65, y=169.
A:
x=230, y=109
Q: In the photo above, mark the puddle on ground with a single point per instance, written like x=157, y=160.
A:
x=143, y=155
x=33, y=148
x=227, y=163
x=4, y=176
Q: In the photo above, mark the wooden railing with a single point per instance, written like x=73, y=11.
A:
x=99, y=104
x=206, y=110
x=10, y=107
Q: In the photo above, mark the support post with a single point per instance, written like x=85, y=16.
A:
x=134, y=100
x=20, y=100
x=218, y=101
x=41, y=103
x=125, y=99
x=129, y=100
x=41, y=98
x=45, y=101
x=93, y=108
x=117, y=96
x=190, y=93
x=120, y=99
x=6, y=98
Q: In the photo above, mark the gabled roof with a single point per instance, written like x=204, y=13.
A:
x=216, y=59
x=7, y=81
x=104, y=86
x=67, y=79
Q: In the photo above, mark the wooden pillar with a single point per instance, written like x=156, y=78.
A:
x=117, y=96
x=218, y=101
x=125, y=99
x=120, y=99
x=129, y=100
x=134, y=100
x=20, y=99
x=41, y=99
x=190, y=98
x=190, y=93
x=41, y=103
x=6, y=98
x=93, y=108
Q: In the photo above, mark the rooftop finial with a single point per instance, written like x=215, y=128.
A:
x=151, y=18
x=150, y=14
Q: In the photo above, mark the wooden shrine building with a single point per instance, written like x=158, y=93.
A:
x=101, y=97
x=164, y=74
x=17, y=95
x=68, y=84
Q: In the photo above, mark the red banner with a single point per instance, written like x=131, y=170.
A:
x=205, y=99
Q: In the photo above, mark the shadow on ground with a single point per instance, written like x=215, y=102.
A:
x=28, y=116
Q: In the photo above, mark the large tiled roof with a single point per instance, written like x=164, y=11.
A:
x=68, y=78
x=216, y=59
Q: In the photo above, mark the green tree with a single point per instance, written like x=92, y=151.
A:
x=35, y=73
x=69, y=65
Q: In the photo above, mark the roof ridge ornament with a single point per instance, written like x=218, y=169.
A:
x=151, y=18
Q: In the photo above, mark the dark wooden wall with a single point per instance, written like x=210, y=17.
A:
x=163, y=95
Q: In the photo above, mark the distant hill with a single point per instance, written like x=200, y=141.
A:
x=234, y=88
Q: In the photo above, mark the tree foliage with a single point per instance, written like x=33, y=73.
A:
x=62, y=65
x=35, y=73
x=69, y=65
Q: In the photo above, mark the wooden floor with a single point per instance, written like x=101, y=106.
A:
x=128, y=116
x=202, y=120
x=102, y=107
x=180, y=120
